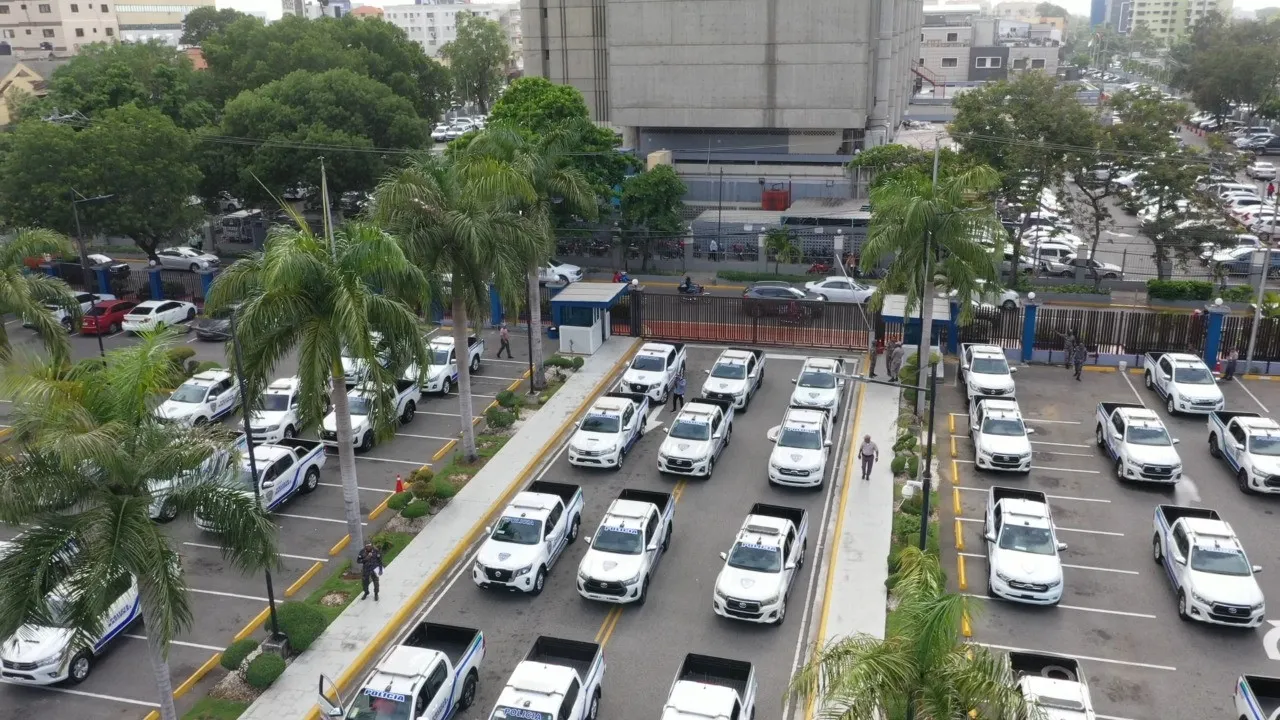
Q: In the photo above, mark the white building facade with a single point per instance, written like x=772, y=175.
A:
x=432, y=26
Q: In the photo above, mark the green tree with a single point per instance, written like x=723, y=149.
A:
x=93, y=465
x=25, y=295
x=207, y=20
x=137, y=156
x=459, y=218
x=952, y=217
x=890, y=161
x=322, y=301
x=1221, y=63
x=477, y=59
x=537, y=104
x=921, y=668
x=651, y=205
x=781, y=246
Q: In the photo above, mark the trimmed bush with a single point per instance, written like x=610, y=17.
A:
x=498, y=418
x=559, y=361
x=578, y=362
x=301, y=623
x=399, y=500
x=194, y=367
x=913, y=466
x=1179, y=289
x=236, y=652
x=180, y=355
x=899, y=464
x=748, y=277
x=264, y=670
x=444, y=489
x=1237, y=293
x=415, y=509
x=906, y=442
x=422, y=490
x=1074, y=290
x=508, y=399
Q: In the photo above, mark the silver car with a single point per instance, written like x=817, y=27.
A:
x=184, y=258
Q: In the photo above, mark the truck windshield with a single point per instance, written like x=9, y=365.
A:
x=601, y=423
x=756, y=558
x=685, y=430
x=440, y=356
x=620, y=540
x=802, y=439
x=729, y=371
x=648, y=363
x=1003, y=426
x=990, y=366
x=1264, y=445
x=359, y=405
x=1034, y=540
x=275, y=402
x=817, y=380
x=1220, y=561
x=508, y=713
x=1147, y=436
x=189, y=393
x=383, y=706
x=518, y=530
x=1193, y=376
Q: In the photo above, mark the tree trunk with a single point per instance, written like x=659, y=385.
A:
x=539, y=379
x=156, y=653
x=926, y=344
x=465, y=409
x=347, y=461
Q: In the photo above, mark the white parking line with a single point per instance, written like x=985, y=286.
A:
x=181, y=643
x=1129, y=382
x=1051, y=497
x=1110, y=717
x=218, y=593
x=1058, y=528
x=82, y=693
x=314, y=518
x=440, y=414
x=1129, y=663
x=454, y=396
x=980, y=556
x=1255, y=397
x=423, y=437
x=1042, y=467
x=495, y=378
x=1054, y=422
x=1145, y=616
x=359, y=487
x=1067, y=454
x=283, y=555
x=513, y=362
x=1074, y=445
x=389, y=460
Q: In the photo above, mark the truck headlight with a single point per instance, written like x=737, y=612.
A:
x=478, y=567
x=522, y=571
x=1259, y=606
x=632, y=581
x=770, y=600
x=583, y=576
x=1053, y=583
x=1003, y=577
x=609, y=450
x=1199, y=598
x=56, y=658
x=720, y=593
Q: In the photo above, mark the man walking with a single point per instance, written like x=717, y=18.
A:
x=1232, y=358
x=504, y=341
x=871, y=349
x=713, y=249
x=1069, y=344
x=370, y=560
x=1079, y=353
x=677, y=394
x=869, y=454
x=896, y=356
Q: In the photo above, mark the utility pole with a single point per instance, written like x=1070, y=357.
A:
x=1262, y=284
x=76, y=199
x=719, y=204
x=324, y=200
x=926, y=342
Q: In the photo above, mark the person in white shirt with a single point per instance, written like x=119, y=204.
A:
x=869, y=454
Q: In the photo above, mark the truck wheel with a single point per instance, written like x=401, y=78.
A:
x=1242, y=479
x=593, y=712
x=804, y=550
x=168, y=511
x=475, y=364
x=1146, y=379
x=622, y=457
x=366, y=442
x=1183, y=615
x=80, y=667
x=290, y=432
x=1120, y=470
x=409, y=409
x=1214, y=450
x=782, y=614
x=728, y=435
x=1170, y=406
x=1097, y=434
x=573, y=528
x=666, y=541
x=539, y=581
x=446, y=386
x=644, y=592
x=468, y=691
x=1155, y=549
x=311, y=480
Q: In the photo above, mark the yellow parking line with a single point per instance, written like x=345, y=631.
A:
x=955, y=500
x=337, y=548
x=444, y=450
x=516, y=384
x=964, y=581
x=678, y=491
x=959, y=535
x=196, y=676
x=606, y=628
x=955, y=472
x=965, y=628
x=153, y=715
x=253, y=625
x=310, y=573
x=382, y=506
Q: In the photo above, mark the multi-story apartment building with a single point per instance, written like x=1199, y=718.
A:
x=959, y=47
x=156, y=19
x=945, y=41
x=1169, y=19
x=434, y=25
x=56, y=26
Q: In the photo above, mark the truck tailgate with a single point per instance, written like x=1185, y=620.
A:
x=795, y=515
x=1172, y=513
x=568, y=653
x=565, y=491
x=659, y=499
x=999, y=493
x=452, y=640
x=733, y=674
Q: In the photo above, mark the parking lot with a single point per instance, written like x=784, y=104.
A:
x=1118, y=613
x=224, y=601
x=645, y=644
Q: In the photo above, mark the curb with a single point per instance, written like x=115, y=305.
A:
x=306, y=576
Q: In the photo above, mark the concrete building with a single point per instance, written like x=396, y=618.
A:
x=156, y=20
x=1171, y=19
x=20, y=77
x=434, y=25
x=367, y=11
x=946, y=38
x=55, y=26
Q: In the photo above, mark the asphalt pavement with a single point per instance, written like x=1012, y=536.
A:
x=1118, y=613
x=645, y=645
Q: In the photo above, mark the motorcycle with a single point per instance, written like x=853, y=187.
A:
x=692, y=293
x=819, y=268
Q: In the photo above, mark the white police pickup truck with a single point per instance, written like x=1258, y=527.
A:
x=736, y=375
x=442, y=375
x=985, y=371
x=360, y=407
x=1000, y=439
x=1054, y=684
x=285, y=469
x=1257, y=697
x=433, y=673
x=1136, y=439
x=695, y=439
x=1184, y=381
x=653, y=370
x=1022, y=547
x=163, y=509
x=761, y=568
x=609, y=430
x=278, y=418
x=558, y=680
x=1250, y=444
x=625, y=550
x=207, y=396
x=529, y=537
x=1207, y=567
x=800, y=448
x=712, y=687
x=819, y=385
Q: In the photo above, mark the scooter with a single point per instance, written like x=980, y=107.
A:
x=691, y=294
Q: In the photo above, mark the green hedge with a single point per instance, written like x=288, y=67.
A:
x=399, y=500
x=414, y=510
x=750, y=277
x=264, y=670
x=1180, y=289
x=301, y=623
x=236, y=652
x=498, y=418
x=1237, y=293
x=1074, y=290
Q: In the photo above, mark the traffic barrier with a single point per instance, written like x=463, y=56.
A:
x=399, y=485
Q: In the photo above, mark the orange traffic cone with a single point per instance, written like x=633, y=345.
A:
x=399, y=484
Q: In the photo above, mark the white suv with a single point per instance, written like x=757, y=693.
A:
x=819, y=385
x=206, y=397
x=800, y=448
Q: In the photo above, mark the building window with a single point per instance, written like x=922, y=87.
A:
x=8, y=34
x=44, y=8
x=104, y=9
x=48, y=32
x=546, y=55
x=79, y=32
x=921, y=62
x=4, y=9
x=987, y=62
x=953, y=37
x=111, y=32
x=949, y=62
x=1037, y=64
x=95, y=31
x=994, y=62
x=75, y=7
x=1020, y=64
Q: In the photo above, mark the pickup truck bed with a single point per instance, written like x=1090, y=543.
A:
x=568, y=653
x=633, y=397
x=725, y=405
x=1007, y=493
x=403, y=385
x=733, y=674
x=660, y=499
x=299, y=446
x=1226, y=416
x=1058, y=666
x=795, y=515
x=1108, y=408
x=564, y=490
x=1266, y=691
x=452, y=640
x=1172, y=513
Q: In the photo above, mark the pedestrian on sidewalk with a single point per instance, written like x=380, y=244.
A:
x=714, y=249
x=872, y=349
x=896, y=357
x=370, y=561
x=1069, y=344
x=1271, y=189
x=1079, y=354
x=1232, y=358
x=504, y=340
x=677, y=393
x=869, y=454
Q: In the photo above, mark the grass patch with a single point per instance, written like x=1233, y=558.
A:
x=749, y=277
x=458, y=472
x=207, y=708
x=336, y=583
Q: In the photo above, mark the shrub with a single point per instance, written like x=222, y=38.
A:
x=422, y=473
x=559, y=361
x=194, y=367
x=422, y=489
x=172, y=291
x=1237, y=293
x=415, y=509
x=1074, y=289
x=578, y=362
x=906, y=442
x=899, y=464
x=180, y=355
x=236, y=652
x=301, y=623
x=444, y=489
x=906, y=527
x=509, y=400
x=749, y=277
x=1179, y=289
x=264, y=670
x=399, y=500
x=913, y=466
x=498, y=418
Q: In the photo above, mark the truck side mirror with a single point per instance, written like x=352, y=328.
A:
x=717, y=436
x=1257, y=569
x=1031, y=431
x=790, y=566
x=724, y=556
x=706, y=372
x=1176, y=441
x=1013, y=370
x=587, y=538
x=488, y=530
x=990, y=537
x=1165, y=376
x=793, y=380
x=653, y=546
x=1062, y=546
x=826, y=443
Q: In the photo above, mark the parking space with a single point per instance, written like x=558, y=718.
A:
x=645, y=644
x=1118, y=613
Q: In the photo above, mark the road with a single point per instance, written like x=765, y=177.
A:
x=1118, y=614
x=224, y=601
x=645, y=645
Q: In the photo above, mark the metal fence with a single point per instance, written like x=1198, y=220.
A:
x=994, y=326
x=732, y=320
x=1235, y=334
x=1120, y=332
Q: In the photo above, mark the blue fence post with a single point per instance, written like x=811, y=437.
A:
x=437, y=312
x=495, y=307
x=104, y=280
x=157, y=285
x=49, y=269
x=206, y=282
x=1213, y=337
x=953, y=329
x=1028, y=330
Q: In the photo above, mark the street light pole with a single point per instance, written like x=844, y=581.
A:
x=76, y=199
x=529, y=330
x=1262, y=285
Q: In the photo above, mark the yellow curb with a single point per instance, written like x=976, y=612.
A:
x=410, y=607
x=310, y=573
x=516, y=384
x=253, y=625
x=382, y=506
x=955, y=472
x=1261, y=377
x=964, y=581
x=1098, y=368
x=951, y=421
x=965, y=628
x=5, y=432
x=959, y=535
x=197, y=676
x=444, y=450
x=955, y=500
x=953, y=446
x=153, y=715
x=337, y=548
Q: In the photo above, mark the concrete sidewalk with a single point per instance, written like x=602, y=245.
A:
x=361, y=633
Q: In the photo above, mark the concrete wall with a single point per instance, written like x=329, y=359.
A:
x=1022, y=59
x=564, y=42
x=994, y=62
x=939, y=46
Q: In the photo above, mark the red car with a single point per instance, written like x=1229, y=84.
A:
x=105, y=317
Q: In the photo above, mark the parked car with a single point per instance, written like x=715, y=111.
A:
x=106, y=317
x=774, y=298
x=215, y=327
x=184, y=258
x=1092, y=268
x=840, y=289
x=1261, y=170
x=155, y=314
x=1270, y=147
x=440, y=133
x=66, y=319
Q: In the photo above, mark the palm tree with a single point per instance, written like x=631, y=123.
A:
x=779, y=243
x=94, y=465
x=325, y=300
x=25, y=294
x=459, y=221
x=945, y=232
x=559, y=187
x=921, y=664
